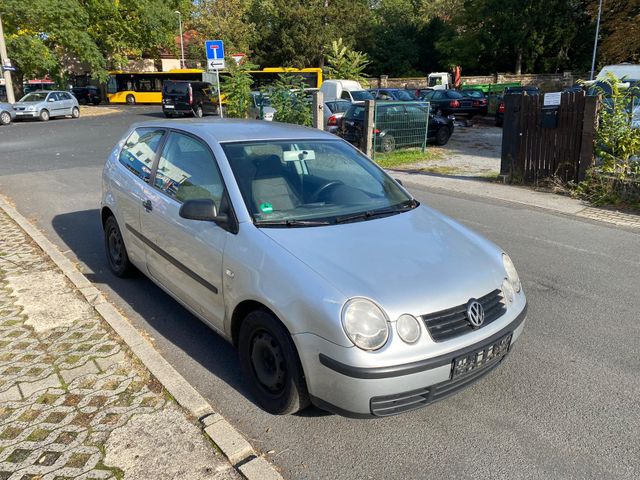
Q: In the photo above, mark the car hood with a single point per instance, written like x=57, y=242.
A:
x=414, y=262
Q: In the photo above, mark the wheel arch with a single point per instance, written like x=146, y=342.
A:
x=105, y=213
x=241, y=311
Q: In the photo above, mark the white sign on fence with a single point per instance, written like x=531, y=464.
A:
x=552, y=99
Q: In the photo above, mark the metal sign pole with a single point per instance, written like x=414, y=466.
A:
x=219, y=93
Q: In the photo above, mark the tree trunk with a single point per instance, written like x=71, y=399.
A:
x=519, y=62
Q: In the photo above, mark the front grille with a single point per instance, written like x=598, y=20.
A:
x=388, y=405
x=447, y=324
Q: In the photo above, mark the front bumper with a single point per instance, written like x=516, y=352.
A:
x=27, y=114
x=361, y=392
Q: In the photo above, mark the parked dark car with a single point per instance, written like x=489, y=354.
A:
x=188, y=98
x=87, y=95
x=396, y=126
x=393, y=94
x=527, y=90
x=450, y=102
x=479, y=99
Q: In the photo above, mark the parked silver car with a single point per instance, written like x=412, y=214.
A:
x=44, y=104
x=7, y=113
x=337, y=287
x=333, y=111
x=260, y=107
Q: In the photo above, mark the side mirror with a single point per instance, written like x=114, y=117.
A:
x=202, y=209
x=51, y=100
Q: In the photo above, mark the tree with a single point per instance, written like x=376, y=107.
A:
x=345, y=63
x=620, y=31
x=293, y=33
x=236, y=88
x=289, y=99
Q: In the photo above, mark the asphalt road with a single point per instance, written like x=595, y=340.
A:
x=565, y=404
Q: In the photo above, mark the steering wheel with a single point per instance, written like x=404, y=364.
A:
x=316, y=195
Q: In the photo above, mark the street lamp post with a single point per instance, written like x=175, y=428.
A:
x=181, y=41
x=595, y=43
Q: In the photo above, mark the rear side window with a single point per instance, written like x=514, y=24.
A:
x=454, y=94
x=140, y=150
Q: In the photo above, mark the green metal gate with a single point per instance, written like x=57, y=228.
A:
x=399, y=126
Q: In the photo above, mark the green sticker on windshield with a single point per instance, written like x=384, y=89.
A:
x=266, y=207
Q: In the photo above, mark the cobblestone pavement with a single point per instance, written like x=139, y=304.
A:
x=66, y=386
x=611, y=216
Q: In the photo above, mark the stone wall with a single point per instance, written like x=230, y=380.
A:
x=546, y=82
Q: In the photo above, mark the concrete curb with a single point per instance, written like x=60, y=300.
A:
x=233, y=445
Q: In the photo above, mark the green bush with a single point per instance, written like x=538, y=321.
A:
x=288, y=97
x=236, y=88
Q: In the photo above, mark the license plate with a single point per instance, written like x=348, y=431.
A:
x=168, y=106
x=481, y=357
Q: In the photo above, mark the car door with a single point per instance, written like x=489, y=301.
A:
x=54, y=105
x=67, y=101
x=185, y=256
x=133, y=170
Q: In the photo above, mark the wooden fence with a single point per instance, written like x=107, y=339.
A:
x=531, y=151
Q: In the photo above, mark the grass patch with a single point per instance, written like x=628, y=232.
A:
x=406, y=157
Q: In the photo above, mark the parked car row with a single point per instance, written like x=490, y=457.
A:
x=42, y=105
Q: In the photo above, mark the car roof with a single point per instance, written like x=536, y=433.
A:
x=237, y=130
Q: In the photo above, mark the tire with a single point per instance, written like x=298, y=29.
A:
x=131, y=100
x=75, y=112
x=116, y=250
x=198, y=112
x=269, y=361
x=5, y=118
x=44, y=115
x=387, y=143
x=442, y=136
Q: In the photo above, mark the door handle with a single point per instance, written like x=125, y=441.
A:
x=147, y=205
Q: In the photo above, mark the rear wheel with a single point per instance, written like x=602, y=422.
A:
x=131, y=100
x=269, y=360
x=75, y=113
x=44, y=115
x=442, y=136
x=5, y=118
x=198, y=112
x=387, y=143
x=116, y=251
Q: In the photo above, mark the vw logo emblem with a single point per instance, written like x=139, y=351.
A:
x=475, y=313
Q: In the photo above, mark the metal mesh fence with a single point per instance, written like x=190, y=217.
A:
x=399, y=126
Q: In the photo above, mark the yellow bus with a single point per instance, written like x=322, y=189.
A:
x=146, y=87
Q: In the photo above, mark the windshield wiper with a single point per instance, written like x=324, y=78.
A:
x=402, y=207
x=290, y=223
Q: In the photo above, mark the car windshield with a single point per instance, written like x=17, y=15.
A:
x=360, y=95
x=34, y=97
x=293, y=183
x=339, y=106
x=261, y=100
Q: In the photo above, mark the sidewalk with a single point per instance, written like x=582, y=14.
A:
x=74, y=402
x=517, y=194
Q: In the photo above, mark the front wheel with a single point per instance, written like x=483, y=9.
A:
x=5, y=118
x=270, y=362
x=116, y=251
x=131, y=100
x=75, y=113
x=442, y=136
x=44, y=115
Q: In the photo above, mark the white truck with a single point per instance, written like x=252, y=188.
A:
x=439, y=81
x=344, y=90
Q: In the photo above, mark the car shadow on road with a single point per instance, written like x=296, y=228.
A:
x=82, y=232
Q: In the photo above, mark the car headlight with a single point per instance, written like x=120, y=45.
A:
x=365, y=324
x=512, y=275
x=408, y=328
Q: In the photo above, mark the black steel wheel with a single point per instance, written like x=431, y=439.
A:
x=442, y=136
x=270, y=362
x=116, y=250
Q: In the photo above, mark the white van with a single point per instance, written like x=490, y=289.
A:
x=344, y=90
x=628, y=72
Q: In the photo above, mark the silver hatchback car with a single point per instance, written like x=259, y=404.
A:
x=44, y=105
x=337, y=287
